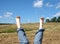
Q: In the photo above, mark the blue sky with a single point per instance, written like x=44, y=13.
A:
x=28, y=10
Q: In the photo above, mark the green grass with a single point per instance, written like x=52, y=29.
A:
x=8, y=34
x=12, y=28
x=29, y=27
x=7, y=28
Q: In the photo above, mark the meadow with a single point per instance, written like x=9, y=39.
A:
x=8, y=34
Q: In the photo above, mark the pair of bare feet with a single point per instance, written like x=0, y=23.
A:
x=18, y=22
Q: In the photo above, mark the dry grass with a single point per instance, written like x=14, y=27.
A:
x=51, y=34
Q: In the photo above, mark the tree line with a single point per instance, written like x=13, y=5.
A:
x=5, y=24
x=54, y=19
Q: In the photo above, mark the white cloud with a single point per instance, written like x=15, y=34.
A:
x=58, y=5
x=49, y=5
x=57, y=14
x=1, y=16
x=47, y=18
x=38, y=3
x=8, y=14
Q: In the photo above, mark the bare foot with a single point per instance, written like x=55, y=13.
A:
x=18, y=21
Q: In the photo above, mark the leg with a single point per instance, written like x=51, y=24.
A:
x=39, y=35
x=21, y=33
x=22, y=36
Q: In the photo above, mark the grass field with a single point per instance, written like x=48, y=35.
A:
x=8, y=34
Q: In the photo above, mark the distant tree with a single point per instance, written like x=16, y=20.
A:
x=54, y=19
x=47, y=20
x=58, y=19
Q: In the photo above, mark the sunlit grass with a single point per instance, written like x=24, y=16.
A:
x=8, y=34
